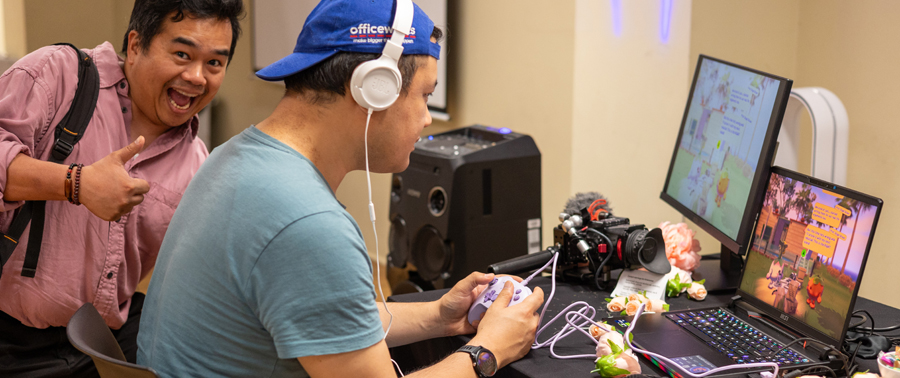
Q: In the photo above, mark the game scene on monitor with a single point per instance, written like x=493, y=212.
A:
x=806, y=253
x=721, y=143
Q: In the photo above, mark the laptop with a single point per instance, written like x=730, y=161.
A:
x=800, y=278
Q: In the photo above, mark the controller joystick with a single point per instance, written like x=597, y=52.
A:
x=489, y=295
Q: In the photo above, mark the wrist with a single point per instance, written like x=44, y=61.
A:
x=483, y=360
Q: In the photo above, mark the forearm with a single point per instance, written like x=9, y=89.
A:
x=412, y=322
x=456, y=365
x=29, y=179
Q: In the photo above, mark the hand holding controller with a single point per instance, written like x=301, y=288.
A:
x=487, y=297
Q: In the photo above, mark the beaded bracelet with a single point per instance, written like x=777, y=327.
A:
x=68, y=183
x=77, y=185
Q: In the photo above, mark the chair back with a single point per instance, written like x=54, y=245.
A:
x=89, y=333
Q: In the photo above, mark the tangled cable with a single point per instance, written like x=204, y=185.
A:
x=578, y=320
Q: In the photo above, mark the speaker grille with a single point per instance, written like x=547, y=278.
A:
x=432, y=256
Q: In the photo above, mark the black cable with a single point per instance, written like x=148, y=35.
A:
x=885, y=329
x=828, y=349
x=599, y=271
x=861, y=322
x=871, y=318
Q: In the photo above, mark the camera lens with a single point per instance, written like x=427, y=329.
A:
x=648, y=249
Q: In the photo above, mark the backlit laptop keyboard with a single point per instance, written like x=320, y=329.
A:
x=735, y=338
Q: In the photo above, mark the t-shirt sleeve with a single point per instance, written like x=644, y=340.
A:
x=312, y=288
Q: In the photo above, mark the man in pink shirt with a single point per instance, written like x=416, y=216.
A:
x=139, y=152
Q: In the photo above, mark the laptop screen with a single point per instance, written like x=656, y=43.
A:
x=808, y=250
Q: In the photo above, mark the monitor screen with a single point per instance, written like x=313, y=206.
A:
x=808, y=250
x=724, y=147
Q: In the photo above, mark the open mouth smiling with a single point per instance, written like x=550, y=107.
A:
x=181, y=100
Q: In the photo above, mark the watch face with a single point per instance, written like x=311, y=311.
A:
x=487, y=363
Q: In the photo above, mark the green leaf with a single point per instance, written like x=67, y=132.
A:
x=666, y=307
x=631, y=338
x=605, y=361
x=613, y=371
x=614, y=347
x=703, y=281
x=608, y=300
x=623, y=313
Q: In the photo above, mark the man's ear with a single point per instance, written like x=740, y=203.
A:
x=134, y=46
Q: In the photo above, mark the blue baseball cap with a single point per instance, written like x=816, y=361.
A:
x=353, y=26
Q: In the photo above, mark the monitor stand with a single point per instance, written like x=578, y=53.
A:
x=722, y=273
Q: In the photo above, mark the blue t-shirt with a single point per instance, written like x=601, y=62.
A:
x=260, y=265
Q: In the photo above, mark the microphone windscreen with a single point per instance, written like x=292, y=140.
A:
x=583, y=200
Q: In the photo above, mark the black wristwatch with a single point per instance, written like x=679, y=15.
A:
x=482, y=359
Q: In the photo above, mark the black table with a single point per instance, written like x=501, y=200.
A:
x=538, y=363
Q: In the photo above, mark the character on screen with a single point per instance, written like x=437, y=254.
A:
x=814, y=289
x=721, y=188
x=786, y=292
x=775, y=274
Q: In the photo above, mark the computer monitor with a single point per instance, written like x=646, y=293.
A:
x=722, y=157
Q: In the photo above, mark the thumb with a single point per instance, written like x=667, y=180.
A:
x=128, y=152
x=504, y=297
x=471, y=282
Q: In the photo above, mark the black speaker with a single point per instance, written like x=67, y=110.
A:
x=470, y=197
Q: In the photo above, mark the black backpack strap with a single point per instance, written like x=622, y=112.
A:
x=68, y=132
x=71, y=128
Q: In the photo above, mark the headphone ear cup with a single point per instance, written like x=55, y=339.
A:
x=376, y=84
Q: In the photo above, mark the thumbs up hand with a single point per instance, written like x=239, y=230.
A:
x=106, y=188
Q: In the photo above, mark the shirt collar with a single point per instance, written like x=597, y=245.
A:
x=108, y=67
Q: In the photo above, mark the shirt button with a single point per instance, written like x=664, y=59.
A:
x=109, y=275
x=124, y=110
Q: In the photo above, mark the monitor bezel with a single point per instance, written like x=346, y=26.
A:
x=766, y=157
x=790, y=320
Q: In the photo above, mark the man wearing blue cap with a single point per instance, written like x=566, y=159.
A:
x=263, y=272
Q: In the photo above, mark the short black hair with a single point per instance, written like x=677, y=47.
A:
x=147, y=17
x=328, y=79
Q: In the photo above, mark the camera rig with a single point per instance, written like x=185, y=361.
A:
x=590, y=246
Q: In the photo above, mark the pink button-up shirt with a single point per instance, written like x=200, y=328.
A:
x=84, y=258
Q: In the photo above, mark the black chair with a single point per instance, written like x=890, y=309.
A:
x=89, y=333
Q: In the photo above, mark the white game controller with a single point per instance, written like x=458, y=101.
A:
x=489, y=295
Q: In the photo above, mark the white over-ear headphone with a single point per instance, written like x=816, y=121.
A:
x=376, y=84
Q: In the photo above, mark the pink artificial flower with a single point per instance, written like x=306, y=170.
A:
x=697, y=291
x=616, y=305
x=637, y=298
x=631, y=307
x=596, y=331
x=681, y=247
x=656, y=305
x=629, y=362
x=603, y=348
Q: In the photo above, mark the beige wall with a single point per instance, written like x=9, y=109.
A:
x=629, y=99
x=850, y=48
x=14, y=27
